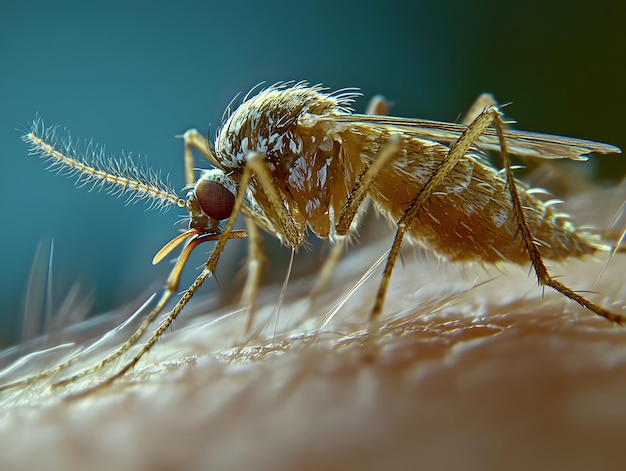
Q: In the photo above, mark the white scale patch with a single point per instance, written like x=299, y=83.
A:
x=296, y=145
x=298, y=174
x=311, y=205
x=500, y=215
x=321, y=176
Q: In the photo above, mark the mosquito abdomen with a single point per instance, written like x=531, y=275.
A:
x=470, y=217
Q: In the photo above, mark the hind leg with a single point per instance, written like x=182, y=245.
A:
x=543, y=275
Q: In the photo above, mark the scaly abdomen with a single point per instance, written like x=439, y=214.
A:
x=470, y=217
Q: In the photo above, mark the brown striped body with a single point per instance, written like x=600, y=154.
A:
x=316, y=161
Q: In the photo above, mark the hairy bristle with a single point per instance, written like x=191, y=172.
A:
x=120, y=177
x=344, y=97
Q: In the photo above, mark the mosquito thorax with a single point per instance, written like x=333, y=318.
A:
x=267, y=122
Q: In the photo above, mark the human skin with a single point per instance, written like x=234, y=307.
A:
x=475, y=368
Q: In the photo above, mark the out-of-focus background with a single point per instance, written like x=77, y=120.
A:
x=133, y=75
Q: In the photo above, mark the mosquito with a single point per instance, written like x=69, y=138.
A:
x=294, y=158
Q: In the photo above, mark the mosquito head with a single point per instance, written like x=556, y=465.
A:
x=211, y=200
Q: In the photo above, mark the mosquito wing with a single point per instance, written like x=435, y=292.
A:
x=521, y=143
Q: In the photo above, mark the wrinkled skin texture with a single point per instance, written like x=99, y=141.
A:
x=478, y=370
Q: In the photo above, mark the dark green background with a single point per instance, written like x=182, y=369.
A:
x=132, y=76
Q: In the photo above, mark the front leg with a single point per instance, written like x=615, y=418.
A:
x=193, y=139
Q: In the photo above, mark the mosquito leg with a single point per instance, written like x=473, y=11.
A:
x=455, y=154
x=193, y=139
x=38, y=377
x=254, y=164
x=208, y=270
x=378, y=105
x=256, y=261
x=190, y=174
x=170, y=288
x=124, y=348
x=291, y=233
x=153, y=339
x=543, y=276
x=362, y=186
x=484, y=101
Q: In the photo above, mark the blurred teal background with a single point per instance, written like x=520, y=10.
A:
x=132, y=75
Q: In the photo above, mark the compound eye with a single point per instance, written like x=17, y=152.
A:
x=215, y=200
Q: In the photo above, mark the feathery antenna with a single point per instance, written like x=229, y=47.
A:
x=120, y=177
